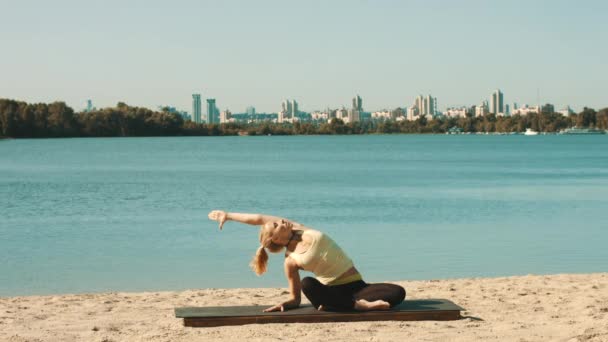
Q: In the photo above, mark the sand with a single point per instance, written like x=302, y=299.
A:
x=565, y=307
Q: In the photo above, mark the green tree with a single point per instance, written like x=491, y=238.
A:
x=586, y=118
x=601, y=119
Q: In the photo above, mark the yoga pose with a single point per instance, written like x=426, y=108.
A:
x=338, y=285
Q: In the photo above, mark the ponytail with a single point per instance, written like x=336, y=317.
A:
x=259, y=261
x=258, y=264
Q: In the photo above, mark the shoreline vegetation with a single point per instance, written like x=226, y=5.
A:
x=19, y=119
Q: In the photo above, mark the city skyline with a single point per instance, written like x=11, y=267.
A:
x=549, y=51
x=423, y=105
x=426, y=104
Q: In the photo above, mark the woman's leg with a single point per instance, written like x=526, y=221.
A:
x=338, y=297
x=391, y=293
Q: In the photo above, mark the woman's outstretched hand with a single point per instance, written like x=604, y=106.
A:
x=219, y=216
x=288, y=305
x=278, y=307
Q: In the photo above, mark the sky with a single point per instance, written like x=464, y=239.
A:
x=320, y=53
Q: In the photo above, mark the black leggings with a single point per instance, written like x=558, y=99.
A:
x=343, y=297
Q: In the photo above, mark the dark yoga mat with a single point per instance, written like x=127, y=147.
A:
x=409, y=310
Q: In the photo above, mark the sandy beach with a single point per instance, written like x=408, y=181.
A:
x=564, y=307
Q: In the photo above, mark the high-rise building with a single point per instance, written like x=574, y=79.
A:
x=353, y=115
x=225, y=116
x=196, y=108
x=294, y=108
x=429, y=105
x=413, y=112
x=482, y=109
x=496, y=103
x=331, y=113
x=211, y=111
x=284, y=112
x=286, y=106
x=425, y=105
x=419, y=104
x=89, y=105
x=547, y=108
x=357, y=103
x=289, y=111
x=250, y=111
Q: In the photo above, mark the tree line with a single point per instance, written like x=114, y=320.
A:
x=19, y=119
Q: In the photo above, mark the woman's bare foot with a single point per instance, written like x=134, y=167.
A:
x=364, y=305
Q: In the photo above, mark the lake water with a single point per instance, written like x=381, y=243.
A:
x=130, y=214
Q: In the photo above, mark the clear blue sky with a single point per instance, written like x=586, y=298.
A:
x=321, y=53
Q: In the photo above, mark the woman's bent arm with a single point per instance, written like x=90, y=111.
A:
x=295, y=287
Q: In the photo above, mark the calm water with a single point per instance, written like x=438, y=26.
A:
x=86, y=215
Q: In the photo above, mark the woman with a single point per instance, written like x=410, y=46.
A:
x=338, y=285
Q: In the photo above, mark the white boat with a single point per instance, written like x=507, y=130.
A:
x=529, y=131
x=577, y=130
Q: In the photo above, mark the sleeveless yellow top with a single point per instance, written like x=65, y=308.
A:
x=325, y=259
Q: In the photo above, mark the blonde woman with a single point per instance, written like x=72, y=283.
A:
x=338, y=285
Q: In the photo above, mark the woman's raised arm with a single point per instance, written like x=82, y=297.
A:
x=252, y=219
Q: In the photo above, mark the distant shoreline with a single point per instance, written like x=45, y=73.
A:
x=57, y=120
x=300, y=135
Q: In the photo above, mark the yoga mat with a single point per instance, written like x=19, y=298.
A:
x=408, y=310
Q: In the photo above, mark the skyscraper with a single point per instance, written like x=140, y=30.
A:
x=211, y=111
x=89, y=105
x=429, y=105
x=196, y=108
x=419, y=104
x=294, y=108
x=496, y=103
x=354, y=114
x=289, y=110
x=425, y=105
x=286, y=107
x=357, y=103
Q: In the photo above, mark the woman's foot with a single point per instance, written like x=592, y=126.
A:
x=364, y=305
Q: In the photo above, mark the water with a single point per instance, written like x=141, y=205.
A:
x=130, y=214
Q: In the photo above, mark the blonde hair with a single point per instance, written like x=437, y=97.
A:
x=260, y=259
